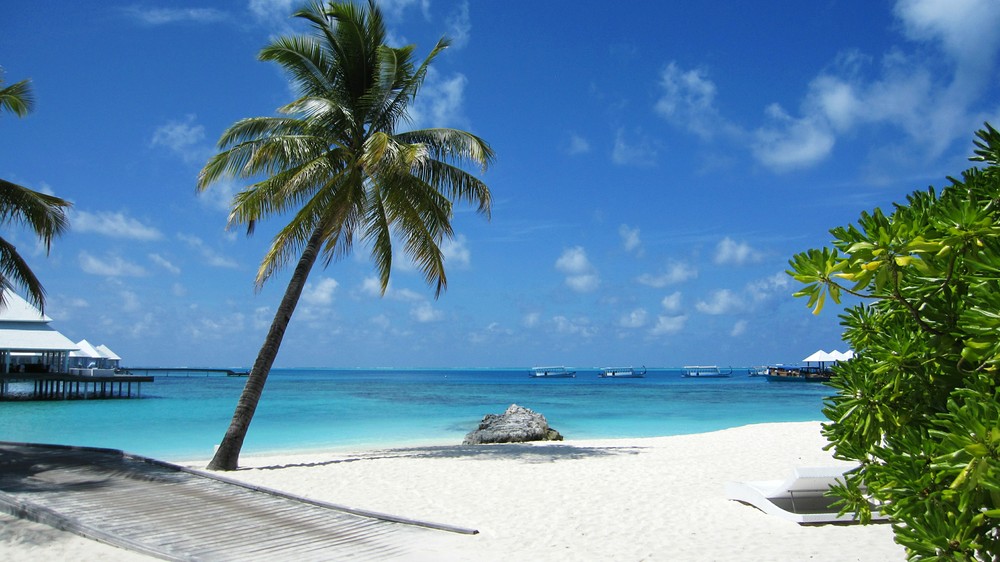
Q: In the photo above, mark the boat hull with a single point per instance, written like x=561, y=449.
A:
x=705, y=372
x=796, y=378
x=622, y=373
x=551, y=373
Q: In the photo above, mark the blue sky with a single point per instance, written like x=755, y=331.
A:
x=658, y=163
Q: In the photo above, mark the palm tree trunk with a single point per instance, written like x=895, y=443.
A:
x=227, y=457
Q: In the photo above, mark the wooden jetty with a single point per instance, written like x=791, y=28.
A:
x=70, y=386
x=175, y=513
x=187, y=371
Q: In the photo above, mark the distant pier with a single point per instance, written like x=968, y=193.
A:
x=187, y=371
x=70, y=386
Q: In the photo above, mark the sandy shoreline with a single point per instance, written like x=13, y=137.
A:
x=656, y=498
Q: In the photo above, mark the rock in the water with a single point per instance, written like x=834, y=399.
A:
x=516, y=425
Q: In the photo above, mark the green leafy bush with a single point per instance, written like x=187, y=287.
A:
x=918, y=407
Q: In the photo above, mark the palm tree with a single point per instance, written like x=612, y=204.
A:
x=44, y=214
x=334, y=161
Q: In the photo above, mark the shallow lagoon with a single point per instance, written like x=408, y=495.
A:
x=182, y=417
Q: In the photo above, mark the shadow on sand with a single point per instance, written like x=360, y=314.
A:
x=528, y=453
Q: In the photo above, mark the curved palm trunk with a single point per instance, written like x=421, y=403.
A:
x=227, y=457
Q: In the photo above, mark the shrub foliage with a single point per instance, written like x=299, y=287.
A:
x=918, y=407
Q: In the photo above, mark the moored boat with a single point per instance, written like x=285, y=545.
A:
x=798, y=374
x=705, y=372
x=622, y=373
x=551, y=373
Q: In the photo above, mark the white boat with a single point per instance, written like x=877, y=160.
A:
x=622, y=373
x=551, y=373
x=705, y=372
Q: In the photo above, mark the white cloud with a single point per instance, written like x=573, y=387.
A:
x=455, y=251
x=576, y=327
x=381, y=322
x=671, y=302
x=531, y=319
x=440, y=101
x=164, y=263
x=321, y=293
x=394, y=9
x=580, y=274
x=789, y=143
x=722, y=301
x=688, y=101
x=666, y=325
x=634, y=319
x=406, y=295
x=115, y=225
x=178, y=290
x=490, y=333
x=966, y=30
x=273, y=11
x=730, y=252
x=424, y=313
x=183, y=138
x=459, y=26
x=262, y=317
x=130, y=301
x=219, y=195
x=739, y=328
x=574, y=261
x=210, y=256
x=763, y=289
x=911, y=91
x=162, y=16
x=633, y=150
x=676, y=273
x=630, y=238
x=583, y=283
x=372, y=286
x=109, y=266
x=931, y=88
x=577, y=145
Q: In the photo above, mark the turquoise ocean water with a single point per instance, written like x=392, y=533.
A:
x=182, y=417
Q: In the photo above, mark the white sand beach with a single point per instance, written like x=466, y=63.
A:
x=623, y=499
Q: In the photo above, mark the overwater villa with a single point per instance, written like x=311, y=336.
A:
x=49, y=365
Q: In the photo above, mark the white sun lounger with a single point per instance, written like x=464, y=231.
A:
x=800, y=498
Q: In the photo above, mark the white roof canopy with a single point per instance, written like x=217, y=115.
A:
x=826, y=357
x=107, y=353
x=86, y=350
x=818, y=357
x=24, y=336
x=24, y=328
x=16, y=309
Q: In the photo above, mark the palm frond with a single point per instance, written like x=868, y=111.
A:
x=18, y=98
x=407, y=89
x=421, y=215
x=458, y=185
x=44, y=214
x=304, y=59
x=379, y=236
x=14, y=271
x=452, y=145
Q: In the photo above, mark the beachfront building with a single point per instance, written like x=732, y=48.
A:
x=93, y=360
x=27, y=343
x=110, y=359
